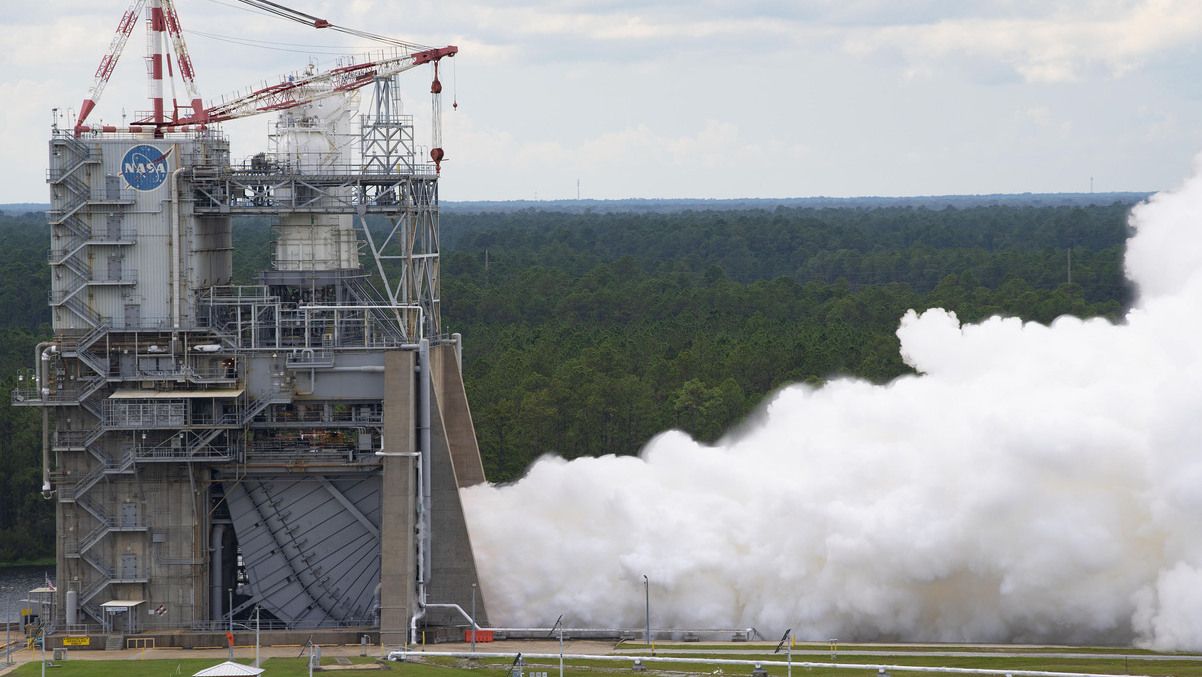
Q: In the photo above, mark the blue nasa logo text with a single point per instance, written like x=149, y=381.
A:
x=144, y=167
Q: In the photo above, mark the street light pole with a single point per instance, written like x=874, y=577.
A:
x=647, y=594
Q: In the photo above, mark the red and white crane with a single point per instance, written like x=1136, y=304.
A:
x=163, y=27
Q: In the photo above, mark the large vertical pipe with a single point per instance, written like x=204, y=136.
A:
x=154, y=56
x=176, y=255
x=423, y=430
x=424, y=486
x=216, y=572
x=42, y=381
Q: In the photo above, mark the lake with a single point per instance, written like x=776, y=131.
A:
x=15, y=584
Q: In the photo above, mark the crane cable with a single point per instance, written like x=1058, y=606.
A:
x=317, y=22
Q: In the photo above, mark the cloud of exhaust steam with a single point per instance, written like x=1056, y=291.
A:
x=1034, y=483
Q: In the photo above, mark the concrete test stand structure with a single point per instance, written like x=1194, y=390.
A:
x=295, y=446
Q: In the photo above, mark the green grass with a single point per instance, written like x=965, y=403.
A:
x=273, y=667
x=433, y=666
x=1102, y=665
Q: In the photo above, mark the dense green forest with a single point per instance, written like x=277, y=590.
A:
x=588, y=333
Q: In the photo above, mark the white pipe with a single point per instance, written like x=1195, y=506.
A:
x=177, y=258
x=42, y=353
x=734, y=661
x=456, y=607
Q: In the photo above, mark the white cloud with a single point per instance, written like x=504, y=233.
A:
x=1060, y=45
x=830, y=96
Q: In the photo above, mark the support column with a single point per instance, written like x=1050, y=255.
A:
x=216, y=573
x=398, y=572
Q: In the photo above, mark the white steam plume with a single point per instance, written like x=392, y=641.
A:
x=1034, y=483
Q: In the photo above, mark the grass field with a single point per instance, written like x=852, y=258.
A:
x=433, y=666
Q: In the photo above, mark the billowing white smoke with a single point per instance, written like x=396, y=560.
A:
x=1035, y=483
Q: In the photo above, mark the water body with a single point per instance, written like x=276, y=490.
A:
x=15, y=584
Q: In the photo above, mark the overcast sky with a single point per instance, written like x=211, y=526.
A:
x=697, y=98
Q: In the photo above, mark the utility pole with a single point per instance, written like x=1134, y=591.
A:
x=559, y=626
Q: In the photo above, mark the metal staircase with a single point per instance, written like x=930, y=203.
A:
x=73, y=229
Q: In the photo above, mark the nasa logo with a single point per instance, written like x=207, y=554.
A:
x=144, y=167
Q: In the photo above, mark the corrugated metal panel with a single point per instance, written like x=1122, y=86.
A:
x=308, y=556
x=147, y=215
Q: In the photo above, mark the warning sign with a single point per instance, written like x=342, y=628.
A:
x=77, y=641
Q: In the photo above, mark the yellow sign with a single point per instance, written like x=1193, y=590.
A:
x=26, y=612
x=77, y=641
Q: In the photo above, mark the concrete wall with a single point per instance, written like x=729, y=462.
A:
x=457, y=416
x=453, y=563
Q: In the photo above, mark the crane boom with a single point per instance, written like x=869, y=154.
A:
x=109, y=61
x=182, y=58
x=307, y=89
x=296, y=90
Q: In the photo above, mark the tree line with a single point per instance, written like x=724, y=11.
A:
x=589, y=333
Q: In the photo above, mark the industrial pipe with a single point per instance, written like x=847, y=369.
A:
x=424, y=484
x=42, y=353
x=177, y=258
x=456, y=607
x=216, y=571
